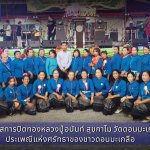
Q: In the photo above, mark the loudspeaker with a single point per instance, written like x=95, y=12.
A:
x=114, y=36
x=99, y=35
x=104, y=42
x=35, y=44
x=51, y=43
x=5, y=44
x=140, y=42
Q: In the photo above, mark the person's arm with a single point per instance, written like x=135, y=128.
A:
x=26, y=65
x=80, y=65
x=99, y=64
x=13, y=68
x=145, y=101
x=109, y=68
x=47, y=30
x=1, y=93
x=70, y=60
x=89, y=68
x=59, y=61
x=8, y=98
x=36, y=65
x=118, y=62
x=47, y=66
x=1, y=74
x=19, y=97
x=31, y=93
x=77, y=88
x=139, y=62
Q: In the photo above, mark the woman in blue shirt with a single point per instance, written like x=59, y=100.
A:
x=40, y=62
x=11, y=96
x=117, y=91
x=17, y=67
x=125, y=63
x=116, y=59
x=5, y=71
x=1, y=93
x=141, y=107
x=40, y=91
x=51, y=64
x=135, y=63
x=55, y=88
x=29, y=65
x=127, y=101
x=25, y=95
x=86, y=89
x=107, y=65
x=145, y=59
x=101, y=89
x=96, y=61
x=86, y=61
x=5, y=50
x=77, y=63
x=71, y=90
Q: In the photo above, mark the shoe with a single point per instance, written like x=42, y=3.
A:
x=118, y=111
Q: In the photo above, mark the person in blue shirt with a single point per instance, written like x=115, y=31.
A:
x=141, y=108
x=55, y=88
x=125, y=63
x=86, y=61
x=77, y=64
x=127, y=101
x=145, y=59
x=117, y=91
x=40, y=91
x=5, y=71
x=40, y=62
x=71, y=90
x=51, y=64
x=106, y=65
x=11, y=96
x=29, y=65
x=25, y=95
x=86, y=89
x=101, y=89
x=5, y=50
x=17, y=67
x=96, y=61
x=1, y=93
x=116, y=59
x=135, y=63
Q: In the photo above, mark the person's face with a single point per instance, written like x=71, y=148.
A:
x=42, y=53
x=98, y=74
x=12, y=82
x=76, y=54
x=84, y=75
x=4, y=58
x=41, y=76
x=145, y=77
x=17, y=55
x=125, y=51
x=104, y=56
x=64, y=47
x=134, y=51
x=145, y=50
x=96, y=53
x=115, y=50
x=6, y=51
x=85, y=54
x=25, y=80
x=52, y=55
x=56, y=74
x=49, y=18
x=130, y=18
x=115, y=75
x=37, y=22
x=30, y=53
x=130, y=78
x=7, y=23
x=147, y=17
x=71, y=76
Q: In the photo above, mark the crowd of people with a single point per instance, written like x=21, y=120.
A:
x=66, y=81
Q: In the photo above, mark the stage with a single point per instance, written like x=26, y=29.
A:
x=109, y=51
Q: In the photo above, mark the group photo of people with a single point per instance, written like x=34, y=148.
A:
x=70, y=82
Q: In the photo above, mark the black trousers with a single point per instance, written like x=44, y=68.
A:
x=19, y=81
x=62, y=74
x=51, y=35
x=32, y=80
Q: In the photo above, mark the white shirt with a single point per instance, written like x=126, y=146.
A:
x=8, y=33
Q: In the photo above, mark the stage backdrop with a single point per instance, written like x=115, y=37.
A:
x=42, y=5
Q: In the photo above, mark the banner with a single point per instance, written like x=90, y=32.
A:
x=74, y=133
x=42, y=5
